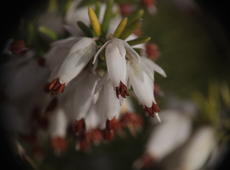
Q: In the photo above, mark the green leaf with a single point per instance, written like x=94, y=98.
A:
x=85, y=29
x=97, y=8
x=136, y=16
x=130, y=29
x=107, y=16
x=48, y=32
x=140, y=40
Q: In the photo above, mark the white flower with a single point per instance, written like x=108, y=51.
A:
x=199, y=149
x=58, y=123
x=116, y=65
x=123, y=63
x=162, y=140
x=78, y=57
x=79, y=95
x=108, y=105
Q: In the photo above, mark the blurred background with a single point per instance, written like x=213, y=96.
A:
x=193, y=40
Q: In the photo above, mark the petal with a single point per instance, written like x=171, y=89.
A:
x=143, y=88
x=59, y=51
x=107, y=105
x=80, y=94
x=92, y=119
x=116, y=63
x=162, y=140
x=58, y=123
x=151, y=65
x=78, y=58
x=131, y=52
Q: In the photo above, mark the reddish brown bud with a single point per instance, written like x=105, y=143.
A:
x=152, y=51
x=148, y=3
x=126, y=9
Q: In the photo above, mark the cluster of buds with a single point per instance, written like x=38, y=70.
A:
x=93, y=74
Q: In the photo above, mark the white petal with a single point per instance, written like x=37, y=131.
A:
x=58, y=124
x=108, y=105
x=162, y=141
x=153, y=66
x=92, y=119
x=131, y=52
x=116, y=63
x=59, y=51
x=78, y=58
x=79, y=95
x=199, y=149
x=143, y=88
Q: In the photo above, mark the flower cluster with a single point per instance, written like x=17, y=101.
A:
x=93, y=73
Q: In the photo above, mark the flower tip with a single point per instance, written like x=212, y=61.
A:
x=56, y=86
x=122, y=90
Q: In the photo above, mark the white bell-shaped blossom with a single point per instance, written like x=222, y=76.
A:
x=108, y=105
x=58, y=52
x=116, y=62
x=58, y=123
x=173, y=131
x=79, y=95
x=199, y=149
x=78, y=57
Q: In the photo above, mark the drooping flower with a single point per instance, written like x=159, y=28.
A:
x=78, y=57
x=124, y=64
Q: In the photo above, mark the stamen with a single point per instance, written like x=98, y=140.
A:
x=56, y=87
x=152, y=110
x=122, y=90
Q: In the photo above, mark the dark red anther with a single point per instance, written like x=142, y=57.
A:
x=109, y=134
x=79, y=127
x=152, y=51
x=18, y=47
x=56, y=87
x=126, y=9
x=152, y=110
x=122, y=90
x=59, y=144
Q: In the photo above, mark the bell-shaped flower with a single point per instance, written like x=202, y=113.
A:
x=108, y=105
x=79, y=95
x=57, y=128
x=141, y=78
x=116, y=64
x=78, y=57
x=162, y=140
